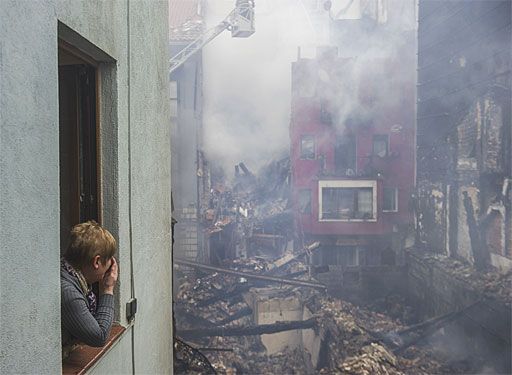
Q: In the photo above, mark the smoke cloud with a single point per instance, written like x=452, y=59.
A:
x=247, y=83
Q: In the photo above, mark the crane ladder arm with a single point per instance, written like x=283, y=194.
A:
x=199, y=43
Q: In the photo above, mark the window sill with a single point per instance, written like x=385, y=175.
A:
x=84, y=357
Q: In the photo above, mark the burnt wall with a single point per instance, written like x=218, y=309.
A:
x=364, y=283
x=482, y=330
x=463, y=127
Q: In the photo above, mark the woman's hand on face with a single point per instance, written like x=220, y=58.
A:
x=109, y=280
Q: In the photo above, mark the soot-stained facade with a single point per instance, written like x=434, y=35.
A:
x=353, y=140
x=464, y=136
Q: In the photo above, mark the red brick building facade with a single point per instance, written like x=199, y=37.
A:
x=352, y=138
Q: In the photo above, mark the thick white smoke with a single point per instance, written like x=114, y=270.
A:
x=247, y=83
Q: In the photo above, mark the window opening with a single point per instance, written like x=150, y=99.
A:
x=364, y=203
x=390, y=199
x=345, y=155
x=336, y=256
x=380, y=145
x=78, y=179
x=347, y=203
x=79, y=70
x=307, y=147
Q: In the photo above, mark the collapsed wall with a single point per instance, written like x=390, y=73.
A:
x=438, y=285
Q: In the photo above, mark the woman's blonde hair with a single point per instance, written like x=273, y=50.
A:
x=88, y=240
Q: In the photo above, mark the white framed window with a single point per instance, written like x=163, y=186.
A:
x=347, y=200
x=390, y=201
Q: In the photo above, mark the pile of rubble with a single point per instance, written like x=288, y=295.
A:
x=362, y=340
x=375, y=359
x=356, y=340
x=395, y=306
x=258, y=362
x=488, y=283
x=188, y=359
x=214, y=313
x=214, y=300
x=254, y=214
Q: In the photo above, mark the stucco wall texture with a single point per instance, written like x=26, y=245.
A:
x=134, y=125
x=29, y=181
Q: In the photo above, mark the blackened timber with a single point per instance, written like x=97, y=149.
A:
x=479, y=250
x=192, y=318
x=242, y=289
x=224, y=296
x=266, y=236
x=245, y=169
x=426, y=323
x=279, y=280
x=295, y=274
x=248, y=331
x=239, y=314
x=188, y=359
x=429, y=327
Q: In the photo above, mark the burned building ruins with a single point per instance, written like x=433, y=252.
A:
x=464, y=161
x=380, y=240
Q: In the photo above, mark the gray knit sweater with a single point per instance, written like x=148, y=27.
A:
x=76, y=320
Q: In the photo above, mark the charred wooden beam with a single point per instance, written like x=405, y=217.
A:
x=248, y=331
x=239, y=314
x=245, y=169
x=224, y=296
x=429, y=327
x=241, y=289
x=478, y=247
x=192, y=318
x=279, y=280
x=188, y=359
x=232, y=294
x=295, y=274
x=266, y=236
